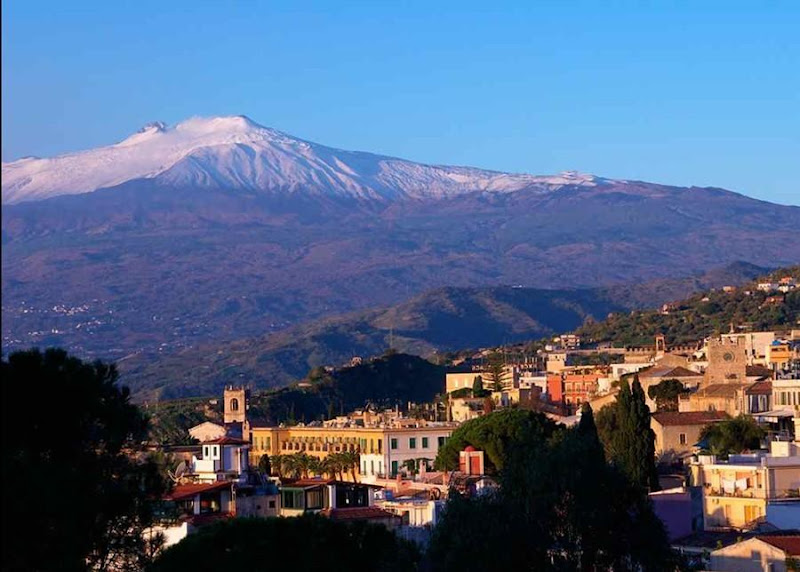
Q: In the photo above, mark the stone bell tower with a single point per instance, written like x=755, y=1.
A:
x=727, y=361
x=236, y=403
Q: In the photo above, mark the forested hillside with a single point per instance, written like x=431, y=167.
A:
x=702, y=315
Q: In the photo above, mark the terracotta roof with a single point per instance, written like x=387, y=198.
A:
x=758, y=371
x=674, y=418
x=316, y=482
x=760, y=388
x=358, y=513
x=226, y=441
x=668, y=372
x=303, y=483
x=720, y=390
x=184, y=492
x=790, y=544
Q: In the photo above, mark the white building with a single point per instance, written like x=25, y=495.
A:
x=223, y=459
x=403, y=446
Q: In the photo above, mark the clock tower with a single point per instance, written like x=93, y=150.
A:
x=727, y=361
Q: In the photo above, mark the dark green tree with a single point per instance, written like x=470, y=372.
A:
x=666, y=394
x=732, y=436
x=495, y=434
x=477, y=386
x=308, y=542
x=629, y=442
x=70, y=437
x=495, y=373
x=560, y=506
x=265, y=465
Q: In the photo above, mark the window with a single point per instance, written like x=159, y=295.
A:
x=393, y=443
x=440, y=441
x=682, y=438
x=424, y=442
x=234, y=404
x=412, y=443
x=314, y=499
x=394, y=468
x=290, y=499
x=272, y=504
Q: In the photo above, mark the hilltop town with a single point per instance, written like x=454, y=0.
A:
x=717, y=496
x=696, y=431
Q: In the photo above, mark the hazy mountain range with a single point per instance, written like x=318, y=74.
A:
x=436, y=321
x=219, y=229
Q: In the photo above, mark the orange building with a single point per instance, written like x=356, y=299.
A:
x=580, y=387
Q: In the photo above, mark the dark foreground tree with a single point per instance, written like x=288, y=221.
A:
x=74, y=497
x=560, y=507
x=732, y=436
x=308, y=542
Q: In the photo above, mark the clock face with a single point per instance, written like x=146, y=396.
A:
x=728, y=356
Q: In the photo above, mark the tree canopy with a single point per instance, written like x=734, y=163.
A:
x=732, y=436
x=69, y=437
x=560, y=506
x=308, y=542
x=666, y=394
x=496, y=434
x=624, y=428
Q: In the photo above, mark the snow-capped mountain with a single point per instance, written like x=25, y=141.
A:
x=234, y=152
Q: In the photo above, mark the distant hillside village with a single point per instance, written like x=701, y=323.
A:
x=380, y=465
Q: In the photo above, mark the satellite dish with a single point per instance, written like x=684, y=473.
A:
x=180, y=470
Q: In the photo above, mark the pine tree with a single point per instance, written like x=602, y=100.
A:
x=477, y=386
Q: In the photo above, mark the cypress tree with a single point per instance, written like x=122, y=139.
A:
x=631, y=444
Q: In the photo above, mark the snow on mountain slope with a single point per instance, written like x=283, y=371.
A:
x=236, y=153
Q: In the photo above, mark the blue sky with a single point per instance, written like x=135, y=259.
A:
x=691, y=93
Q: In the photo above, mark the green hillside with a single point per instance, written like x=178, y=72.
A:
x=702, y=315
x=437, y=321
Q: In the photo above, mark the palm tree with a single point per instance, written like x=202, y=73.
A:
x=265, y=465
x=314, y=465
x=277, y=462
x=328, y=466
x=351, y=461
x=335, y=465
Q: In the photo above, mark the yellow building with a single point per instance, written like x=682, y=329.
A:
x=314, y=441
x=456, y=381
x=383, y=451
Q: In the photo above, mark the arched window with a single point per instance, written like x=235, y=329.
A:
x=234, y=404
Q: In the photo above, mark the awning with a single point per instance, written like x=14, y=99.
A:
x=773, y=416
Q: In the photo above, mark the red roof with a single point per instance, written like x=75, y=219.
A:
x=760, y=388
x=307, y=482
x=674, y=418
x=358, y=513
x=226, y=441
x=184, y=492
x=790, y=544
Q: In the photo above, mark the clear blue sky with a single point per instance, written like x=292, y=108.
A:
x=692, y=92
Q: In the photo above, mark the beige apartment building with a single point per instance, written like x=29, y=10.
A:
x=746, y=488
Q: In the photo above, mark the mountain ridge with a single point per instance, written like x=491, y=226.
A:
x=440, y=320
x=234, y=152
